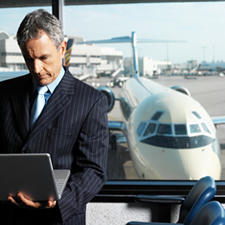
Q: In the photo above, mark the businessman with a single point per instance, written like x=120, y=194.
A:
x=70, y=124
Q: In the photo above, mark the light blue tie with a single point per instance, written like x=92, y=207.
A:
x=38, y=105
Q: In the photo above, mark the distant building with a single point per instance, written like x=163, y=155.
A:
x=93, y=58
x=147, y=66
x=150, y=67
x=10, y=53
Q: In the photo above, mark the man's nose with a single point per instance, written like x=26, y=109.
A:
x=37, y=66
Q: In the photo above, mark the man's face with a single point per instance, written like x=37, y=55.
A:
x=43, y=59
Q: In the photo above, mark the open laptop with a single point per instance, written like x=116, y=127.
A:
x=32, y=175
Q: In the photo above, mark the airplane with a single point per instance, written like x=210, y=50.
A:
x=218, y=66
x=169, y=134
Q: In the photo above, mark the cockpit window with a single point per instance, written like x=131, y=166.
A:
x=157, y=115
x=180, y=129
x=150, y=129
x=196, y=114
x=205, y=128
x=141, y=128
x=164, y=129
x=174, y=135
x=194, y=128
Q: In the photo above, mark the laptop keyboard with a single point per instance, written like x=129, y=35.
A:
x=59, y=184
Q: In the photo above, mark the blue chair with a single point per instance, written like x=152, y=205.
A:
x=212, y=213
x=201, y=193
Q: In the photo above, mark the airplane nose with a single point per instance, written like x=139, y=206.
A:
x=180, y=164
x=200, y=162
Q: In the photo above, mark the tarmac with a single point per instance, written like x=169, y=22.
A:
x=209, y=91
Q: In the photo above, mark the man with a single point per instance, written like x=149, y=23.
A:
x=72, y=126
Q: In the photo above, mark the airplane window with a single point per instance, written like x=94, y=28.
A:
x=141, y=128
x=178, y=142
x=150, y=129
x=196, y=114
x=157, y=115
x=194, y=128
x=164, y=129
x=180, y=129
x=205, y=128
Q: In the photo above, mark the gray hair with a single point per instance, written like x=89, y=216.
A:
x=36, y=21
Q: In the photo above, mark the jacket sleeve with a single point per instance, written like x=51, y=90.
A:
x=88, y=174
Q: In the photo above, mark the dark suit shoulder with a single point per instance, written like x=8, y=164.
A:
x=9, y=86
x=80, y=87
x=91, y=89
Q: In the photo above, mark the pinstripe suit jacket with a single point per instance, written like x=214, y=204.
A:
x=73, y=129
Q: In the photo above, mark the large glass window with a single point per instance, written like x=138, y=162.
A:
x=190, y=54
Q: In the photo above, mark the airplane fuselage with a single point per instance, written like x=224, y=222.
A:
x=170, y=135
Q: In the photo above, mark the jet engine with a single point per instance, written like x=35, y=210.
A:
x=110, y=96
x=181, y=89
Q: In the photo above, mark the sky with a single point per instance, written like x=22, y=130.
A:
x=200, y=25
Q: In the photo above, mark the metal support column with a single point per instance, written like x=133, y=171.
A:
x=57, y=9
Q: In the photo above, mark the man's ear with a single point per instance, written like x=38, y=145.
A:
x=63, y=48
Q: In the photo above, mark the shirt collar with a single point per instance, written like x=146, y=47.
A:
x=54, y=84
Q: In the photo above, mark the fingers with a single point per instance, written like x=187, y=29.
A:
x=51, y=204
x=24, y=202
x=11, y=199
x=29, y=203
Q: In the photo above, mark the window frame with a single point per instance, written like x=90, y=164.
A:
x=126, y=190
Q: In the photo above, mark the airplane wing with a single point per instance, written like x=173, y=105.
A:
x=117, y=125
x=158, y=41
x=218, y=120
x=115, y=138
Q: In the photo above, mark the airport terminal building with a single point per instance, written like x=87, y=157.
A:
x=90, y=59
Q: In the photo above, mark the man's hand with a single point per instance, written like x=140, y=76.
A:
x=26, y=203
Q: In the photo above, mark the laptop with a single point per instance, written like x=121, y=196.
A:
x=32, y=175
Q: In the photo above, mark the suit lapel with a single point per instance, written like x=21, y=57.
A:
x=59, y=100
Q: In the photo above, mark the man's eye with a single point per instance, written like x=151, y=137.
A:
x=44, y=58
x=28, y=59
